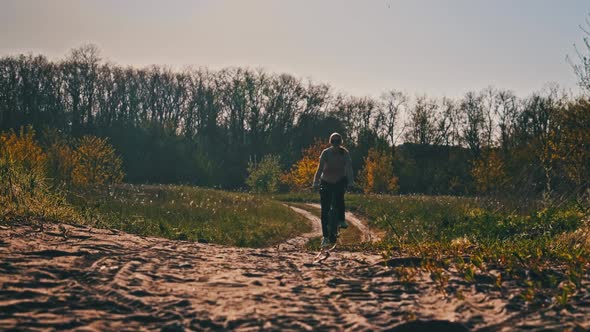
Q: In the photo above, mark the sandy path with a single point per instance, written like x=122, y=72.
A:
x=73, y=277
x=299, y=242
x=368, y=234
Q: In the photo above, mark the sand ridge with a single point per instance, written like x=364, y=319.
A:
x=64, y=277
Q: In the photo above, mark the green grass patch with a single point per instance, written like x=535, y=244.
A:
x=542, y=248
x=416, y=219
x=190, y=213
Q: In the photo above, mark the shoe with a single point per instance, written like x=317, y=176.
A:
x=343, y=224
x=326, y=242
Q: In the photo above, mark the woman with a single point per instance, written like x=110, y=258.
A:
x=333, y=175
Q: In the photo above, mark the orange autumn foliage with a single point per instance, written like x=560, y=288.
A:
x=62, y=157
x=22, y=150
x=300, y=177
x=96, y=163
x=377, y=174
x=22, y=171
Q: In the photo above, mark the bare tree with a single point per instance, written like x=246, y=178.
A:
x=473, y=122
x=448, y=123
x=507, y=113
x=421, y=123
x=392, y=105
x=489, y=108
x=357, y=113
x=80, y=71
x=582, y=65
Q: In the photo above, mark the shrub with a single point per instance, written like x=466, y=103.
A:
x=95, y=163
x=300, y=177
x=22, y=149
x=61, y=155
x=265, y=175
x=488, y=172
x=23, y=188
x=377, y=174
x=22, y=166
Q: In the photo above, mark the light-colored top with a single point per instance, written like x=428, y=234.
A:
x=335, y=163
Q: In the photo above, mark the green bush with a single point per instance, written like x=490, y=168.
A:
x=265, y=176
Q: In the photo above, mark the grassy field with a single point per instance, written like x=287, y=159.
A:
x=445, y=219
x=542, y=248
x=189, y=213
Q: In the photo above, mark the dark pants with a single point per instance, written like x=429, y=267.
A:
x=329, y=192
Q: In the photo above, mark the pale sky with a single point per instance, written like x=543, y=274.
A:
x=364, y=47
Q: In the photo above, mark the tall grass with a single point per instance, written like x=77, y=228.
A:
x=190, y=213
x=26, y=196
x=25, y=193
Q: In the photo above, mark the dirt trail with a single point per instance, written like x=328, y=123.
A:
x=74, y=277
x=368, y=234
x=299, y=242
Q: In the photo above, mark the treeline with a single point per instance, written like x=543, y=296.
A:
x=204, y=127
